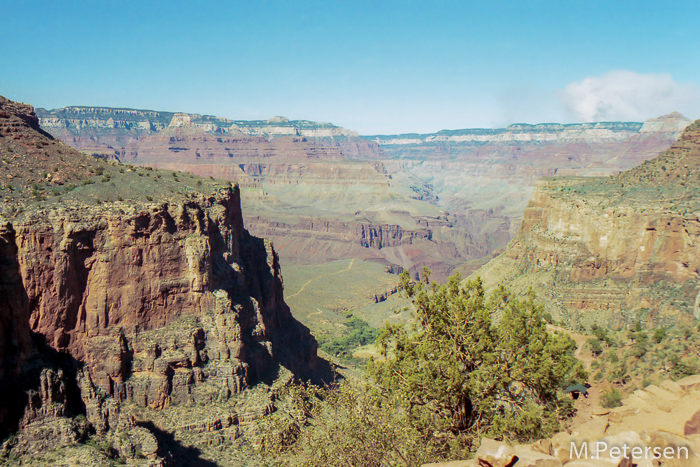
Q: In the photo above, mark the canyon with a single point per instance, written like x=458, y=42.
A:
x=448, y=200
x=135, y=307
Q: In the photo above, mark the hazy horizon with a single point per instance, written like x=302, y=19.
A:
x=376, y=68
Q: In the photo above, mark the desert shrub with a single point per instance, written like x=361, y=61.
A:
x=611, y=398
x=684, y=366
x=343, y=425
x=659, y=335
x=595, y=346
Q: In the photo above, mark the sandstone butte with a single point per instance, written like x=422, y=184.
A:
x=613, y=250
x=132, y=305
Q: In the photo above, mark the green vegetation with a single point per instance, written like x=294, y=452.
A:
x=322, y=295
x=638, y=355
x=482, y=375
x=611, y=398
x=359, y=333
x=468, y=366
x=342, y=426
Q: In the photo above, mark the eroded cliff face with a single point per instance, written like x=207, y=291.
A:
x=15, y=341
x=155, y=305
x=98, y=281
x=112, y=307
x=613, y=250
x=481, y=179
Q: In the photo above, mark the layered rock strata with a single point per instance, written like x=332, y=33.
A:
x=613, y=250
x=110, y=308
x=295, y=170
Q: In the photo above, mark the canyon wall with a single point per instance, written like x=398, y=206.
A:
x=302, y=187
x=111, y=307
x=613, y=250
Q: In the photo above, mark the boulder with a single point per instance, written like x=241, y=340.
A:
x=676, y=451
x=672, y=386
x=529, y=458
x=492, y=453
x=544, y=446
x=692, y=426
x=689, y=382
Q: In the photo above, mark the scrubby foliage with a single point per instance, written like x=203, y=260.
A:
x=611, y=398
x=469, y=366
x=644, y=355
x=343, y=425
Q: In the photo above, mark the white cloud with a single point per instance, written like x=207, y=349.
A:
x=629, y=96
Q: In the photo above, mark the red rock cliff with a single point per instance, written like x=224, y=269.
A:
x=98, y=281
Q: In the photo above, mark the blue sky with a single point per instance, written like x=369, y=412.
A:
x=371, y=66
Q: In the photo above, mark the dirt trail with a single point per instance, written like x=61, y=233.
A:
x=580, y=340
x=585, y=406
x=318, y=277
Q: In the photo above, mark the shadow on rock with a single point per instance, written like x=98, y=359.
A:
x=172, y=450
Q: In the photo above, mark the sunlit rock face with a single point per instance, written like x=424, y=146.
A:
x=616, y=249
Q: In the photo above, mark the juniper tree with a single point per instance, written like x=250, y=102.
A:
x=480, y=365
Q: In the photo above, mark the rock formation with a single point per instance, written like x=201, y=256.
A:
x=613, y=250
x=108, y=308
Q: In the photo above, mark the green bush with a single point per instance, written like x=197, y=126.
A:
x=360, y=333
x=595, y=346
x=499, y=378
x=611, y=398
x=659, y=335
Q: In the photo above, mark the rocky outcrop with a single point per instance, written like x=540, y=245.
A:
x=649, y=429
x=671, y=123
x=97, y=281
x=613, y=250
x=108, y=309
x=439, y=243
x=166, y=304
